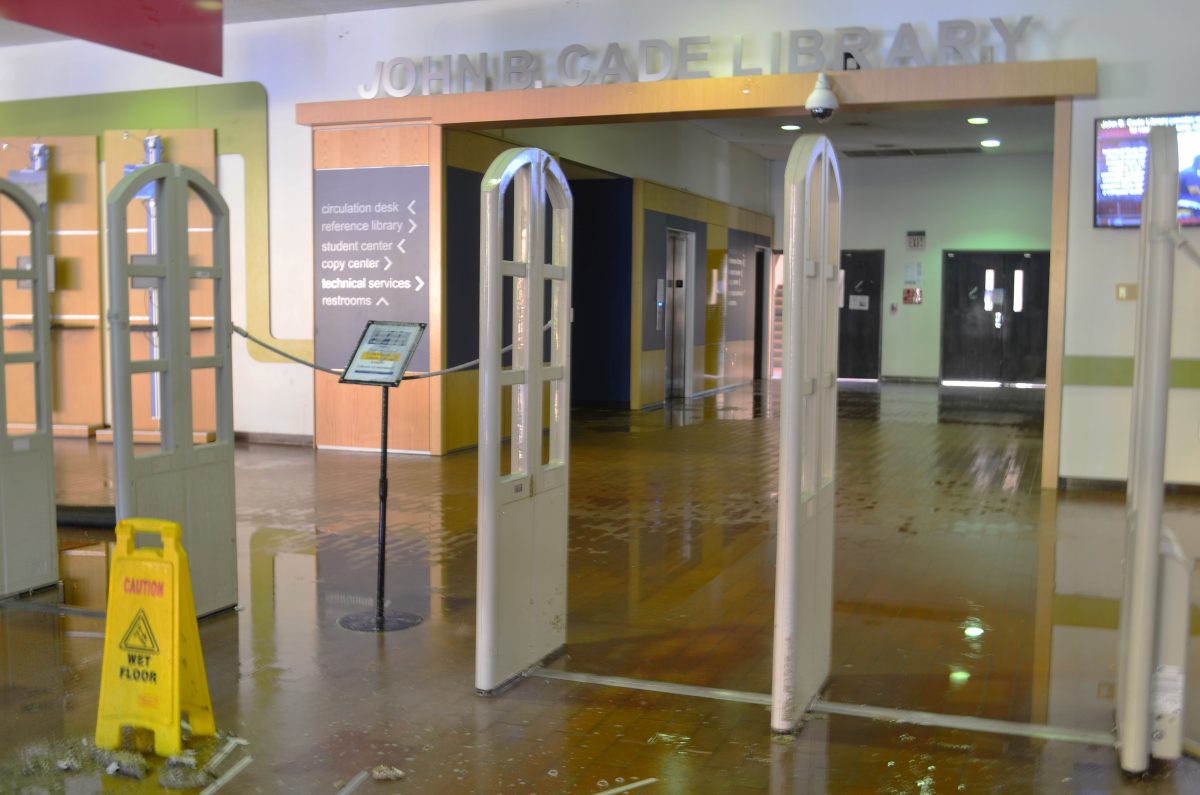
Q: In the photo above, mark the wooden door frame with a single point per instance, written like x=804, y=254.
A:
x=1054, y=83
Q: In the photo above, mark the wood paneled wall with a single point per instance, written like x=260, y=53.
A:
x=77, y=397
x=348, y=416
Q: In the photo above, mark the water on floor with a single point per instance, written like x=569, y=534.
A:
x=960, y=588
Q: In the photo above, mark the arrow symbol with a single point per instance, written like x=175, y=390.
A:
x=382, y=302
x=389, y=262
x=400, y=245
x=412, y=226
x=420, y=284
x=410, y=207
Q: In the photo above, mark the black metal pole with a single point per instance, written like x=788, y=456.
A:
x=379, y=620
x=383, y=494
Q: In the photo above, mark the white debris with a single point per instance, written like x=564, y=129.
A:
x=386, y=773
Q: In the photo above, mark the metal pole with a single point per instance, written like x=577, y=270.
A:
x=383, y=494
x=379, y=620
x=152, y=146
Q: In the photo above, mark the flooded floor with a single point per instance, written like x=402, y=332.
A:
x=960, y=588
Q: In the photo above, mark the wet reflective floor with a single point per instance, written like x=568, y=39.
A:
x=960, y=588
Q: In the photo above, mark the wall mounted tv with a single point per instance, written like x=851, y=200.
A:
x=1121, y=168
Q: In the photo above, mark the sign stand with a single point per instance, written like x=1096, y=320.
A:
x=380, y=359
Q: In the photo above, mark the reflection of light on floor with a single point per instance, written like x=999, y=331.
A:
x=981, y=384
x=1012, y=473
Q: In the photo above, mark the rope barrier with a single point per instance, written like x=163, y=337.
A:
x=414, y=377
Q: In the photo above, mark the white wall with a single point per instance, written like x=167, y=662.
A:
x=326, y=58
x=988, y=202
x=665, y=152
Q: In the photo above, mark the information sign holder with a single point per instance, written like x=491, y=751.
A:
x=380, y=359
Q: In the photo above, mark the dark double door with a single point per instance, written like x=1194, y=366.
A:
x=994, y=315
x=859, y=319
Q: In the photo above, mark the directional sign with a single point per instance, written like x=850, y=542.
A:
x=371, y=255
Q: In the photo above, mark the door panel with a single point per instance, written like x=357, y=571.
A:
x=1027, y=276
x=860, y=317
x=994, y=307
x=675, y=321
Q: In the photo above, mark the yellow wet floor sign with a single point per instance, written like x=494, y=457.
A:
x=153, y=670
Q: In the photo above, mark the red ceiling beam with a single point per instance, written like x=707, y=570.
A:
x=184, y=32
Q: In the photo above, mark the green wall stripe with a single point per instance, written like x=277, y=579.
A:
x=1118, y=371
x=1099, y=612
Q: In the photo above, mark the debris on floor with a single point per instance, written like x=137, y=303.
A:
x=184, y=778
x=49, y=766
x=186, y=759
x=386, y=773
x=122, y=763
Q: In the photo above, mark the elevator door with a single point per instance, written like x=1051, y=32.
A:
x=675, y=314
x=994, y=315
x=859, y=318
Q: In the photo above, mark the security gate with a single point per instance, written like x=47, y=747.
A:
x=522, y=578
x=184, y=478
x=808, y=427
x=1153, y=639
x=28, y=526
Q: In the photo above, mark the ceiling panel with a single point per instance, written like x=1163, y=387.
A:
x=1020, y=129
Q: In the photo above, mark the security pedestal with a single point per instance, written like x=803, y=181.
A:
x=1154, y=605
x=808, y=428
x=180, y=480
x=28, y=530
x=521, y=613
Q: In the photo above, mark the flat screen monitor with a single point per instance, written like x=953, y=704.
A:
x=1121, y=152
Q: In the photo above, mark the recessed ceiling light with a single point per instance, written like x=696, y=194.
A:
x=977, y=120
x=990, y=143
x=789, y=127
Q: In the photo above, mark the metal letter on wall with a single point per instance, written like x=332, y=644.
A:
x=184, y=478
x=808, y=427
x=28, y=524
x=522, y=578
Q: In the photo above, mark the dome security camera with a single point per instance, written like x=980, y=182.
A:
x=822, y=102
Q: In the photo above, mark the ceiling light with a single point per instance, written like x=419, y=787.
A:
x=990, y=143
x=789, y=127
x=977, y=120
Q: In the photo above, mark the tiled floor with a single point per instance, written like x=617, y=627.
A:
x=940, y=526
